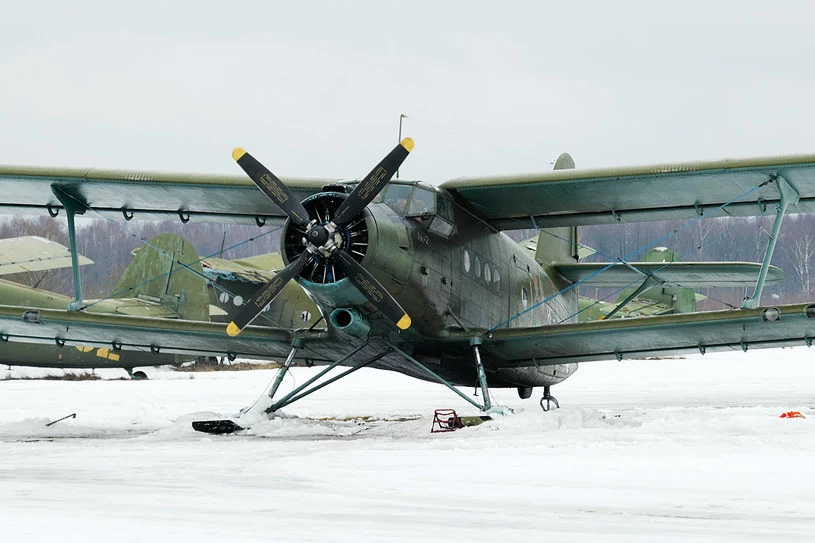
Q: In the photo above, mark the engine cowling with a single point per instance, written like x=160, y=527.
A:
x=377, y=238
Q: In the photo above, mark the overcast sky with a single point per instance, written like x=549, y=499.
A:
x=316, y=88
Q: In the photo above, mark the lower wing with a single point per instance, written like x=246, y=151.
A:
x=160, y=336
x=732, y=330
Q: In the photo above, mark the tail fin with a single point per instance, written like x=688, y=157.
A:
x=558, y=244
x=167, y=270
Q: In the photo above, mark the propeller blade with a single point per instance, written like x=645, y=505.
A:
x=373, y=290
x=373, y=183
x=271, y=186
x=265, y=295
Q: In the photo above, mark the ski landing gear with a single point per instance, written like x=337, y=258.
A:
x=547, y=401
x=266, y=404
x=487, y=408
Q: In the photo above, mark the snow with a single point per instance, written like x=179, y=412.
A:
x=662, y=450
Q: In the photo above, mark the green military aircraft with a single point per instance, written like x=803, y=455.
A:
x=148, y=288
x=166, y=280
x=422, y=280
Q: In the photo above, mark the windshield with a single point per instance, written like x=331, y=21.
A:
x=408, y=200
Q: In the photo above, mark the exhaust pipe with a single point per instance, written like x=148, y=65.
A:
x=349, y=322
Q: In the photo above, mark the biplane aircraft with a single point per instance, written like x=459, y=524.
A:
x=148, y=288
x=422, y=280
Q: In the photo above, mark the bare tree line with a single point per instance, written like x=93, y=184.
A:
x=721, y=239
x=110, y=244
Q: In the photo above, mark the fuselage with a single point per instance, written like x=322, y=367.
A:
x=451, y=272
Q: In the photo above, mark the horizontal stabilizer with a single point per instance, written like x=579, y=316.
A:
x=256, y=269
x=33, y=253
x=683, y=274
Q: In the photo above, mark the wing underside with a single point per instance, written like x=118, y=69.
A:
x=748, y=187
x=143, y=195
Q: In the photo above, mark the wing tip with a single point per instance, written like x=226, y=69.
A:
x=408, y=144
x=233, y=329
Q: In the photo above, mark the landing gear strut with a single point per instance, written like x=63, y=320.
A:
x=547, y=401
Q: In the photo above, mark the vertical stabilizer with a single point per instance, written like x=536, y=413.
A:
x=558, y=244
x=167, y=270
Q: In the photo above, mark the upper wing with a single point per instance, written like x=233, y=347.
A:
x=146, y=195
x=33, y=253
x=639, y=337
x=640, y=193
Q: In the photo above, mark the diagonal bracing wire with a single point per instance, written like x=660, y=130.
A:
x=628, y=256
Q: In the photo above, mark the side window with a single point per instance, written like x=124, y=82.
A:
x=466, y=261
x=444, y=208
x=524, y=297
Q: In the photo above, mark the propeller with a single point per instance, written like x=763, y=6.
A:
x=272, y=187
x=322, y=240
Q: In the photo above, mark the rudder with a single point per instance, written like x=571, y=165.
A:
x=167, y=270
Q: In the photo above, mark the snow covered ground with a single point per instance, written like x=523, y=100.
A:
x=670, y=450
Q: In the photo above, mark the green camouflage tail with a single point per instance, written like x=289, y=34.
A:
x=167, y=270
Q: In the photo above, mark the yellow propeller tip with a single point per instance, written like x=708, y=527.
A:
x=233, y=329
x=404, y=322
x=238, y=153
x=408, y=144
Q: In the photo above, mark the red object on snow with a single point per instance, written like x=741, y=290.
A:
x=445, y=420
x=792, y=415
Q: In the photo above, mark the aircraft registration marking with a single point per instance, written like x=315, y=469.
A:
x=101, y=352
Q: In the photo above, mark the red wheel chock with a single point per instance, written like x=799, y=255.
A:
x=445, y=420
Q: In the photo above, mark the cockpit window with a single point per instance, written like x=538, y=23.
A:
x=397, y=196
x=423, y=202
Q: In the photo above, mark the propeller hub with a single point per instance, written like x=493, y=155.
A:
x=318, y=235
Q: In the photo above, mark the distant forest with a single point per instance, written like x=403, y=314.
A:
x=109, y=244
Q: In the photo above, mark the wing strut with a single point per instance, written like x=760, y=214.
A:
x=482, y=379
x=72, y=207
x=789, y=196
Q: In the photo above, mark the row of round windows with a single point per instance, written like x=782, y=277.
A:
x=481, y=269
x=237, y=300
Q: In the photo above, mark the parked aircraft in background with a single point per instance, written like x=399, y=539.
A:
x=166, y=279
